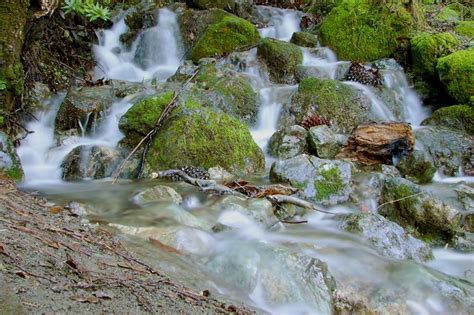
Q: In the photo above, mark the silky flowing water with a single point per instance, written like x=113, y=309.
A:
x=238, y=263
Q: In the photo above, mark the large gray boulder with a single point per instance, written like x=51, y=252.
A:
x=288, y=142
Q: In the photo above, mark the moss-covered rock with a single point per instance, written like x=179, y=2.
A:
x=459, y=117
x=448, y=14
x=422, y=214
x=342, y=104
x=9, y=161
x=456, y=72
x=227, y=5
x=288, y=142
x=219, y=39
x=282, y=59
x=193, y=136
x=417, y=166
x=141, y=18
x=466, y=29
x=359, y=31
x=426, y=48
x=304, y=39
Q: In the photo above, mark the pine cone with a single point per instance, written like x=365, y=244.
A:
x=315, y=120
x=362, y=74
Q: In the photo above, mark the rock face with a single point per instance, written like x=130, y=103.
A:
x=357, y=24
x=321, y=181
x=83, y=108
x=192, y=136
x=451, y=151
x=457, y=74
x=9, y=161
x=288, y=142
x=426, y=48
x=388, y=238
x=90, y=162
x=324, y=142
x=344, y=105
x=458, y=117
x=282, y=59
x=379, y=143
x=225, y=36
x=281, y=276
x=417, y=166
x=408, y=205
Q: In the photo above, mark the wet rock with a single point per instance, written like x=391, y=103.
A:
x=304, y=39
x=458, y=117
x=457, y=74
x=219, y=173
x=9, y=160
x=388, y=238
x=279, y=275
x=451, y=151
x=229, y=34
x=282, y=59
x=283, y=4
x=193, y=135
x=417, y=166
x=339, y=73
x=344, y=105
x=288, y=142
x=83, y=108
x=324, y=142
x=141, y=18
x=159, y=193
x=416, y=210
x=321, y=181
x=426, y=48
x=465, y=193
x=379, y=143
x=37, y=95
x=355, y=24
x=90, y=162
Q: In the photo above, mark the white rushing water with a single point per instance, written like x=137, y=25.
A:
x=156, y=53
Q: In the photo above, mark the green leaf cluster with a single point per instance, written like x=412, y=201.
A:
x=87, y=8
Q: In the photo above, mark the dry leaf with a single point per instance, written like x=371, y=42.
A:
x=165, y=247
x=56, y=209
x=86, y=299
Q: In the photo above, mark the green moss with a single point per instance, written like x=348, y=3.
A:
x=448, y=15
x=456, y=72
x=357, y=30
x=465, y=28
x=208, y=4
x=224, y=37
x=304, y=39
x=331, y=184
x=281, y=57
x=406, y=205
x=427, y=48
x=331, y=99
x=459, y=117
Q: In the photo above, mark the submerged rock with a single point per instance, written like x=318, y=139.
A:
x=324, y=142
x=304, y=39
x=277, y=275
x=451, y=151
x=9, y=160
x=192, y=136
x=457, y=74
x=90, y=162
x=288, y=142
x=282, y=59
x=159, y=193
x=388, y=238
x=459, y=117
x=417, y=166
x=411, y=207
x=322, y=181
x=344, y=105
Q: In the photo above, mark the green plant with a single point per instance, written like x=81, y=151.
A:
x=87, y=8
x=3, y=85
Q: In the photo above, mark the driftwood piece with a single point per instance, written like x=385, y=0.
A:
x=282, y=199
x=376, y=143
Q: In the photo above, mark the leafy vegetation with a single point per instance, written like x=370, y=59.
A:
x=88, y=9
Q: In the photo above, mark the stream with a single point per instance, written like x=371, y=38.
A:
x=257, y=260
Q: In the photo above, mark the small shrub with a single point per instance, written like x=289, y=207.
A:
x=88, y=9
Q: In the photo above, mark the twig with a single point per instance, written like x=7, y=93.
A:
x=293, y=222
x=295, y=201
x=394, y=201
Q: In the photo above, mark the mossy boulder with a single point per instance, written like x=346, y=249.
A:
x=360, y=31
x=192, y=136
x=304, y=39
x=459, y=117
x=342, y=104
x=288, y=142
x=466, y=29
x=426, y=48
x=417, y=166
x=448, y=14
x=456, y=72
x=282, y=59
x=419, y=212
x=219, y=39
x=322, y=181
x=9, y=160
